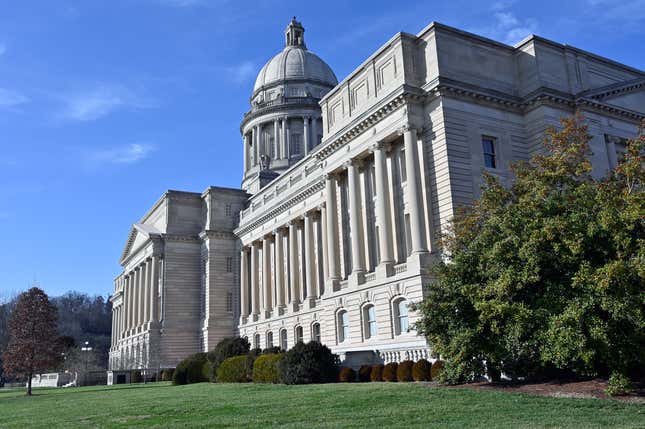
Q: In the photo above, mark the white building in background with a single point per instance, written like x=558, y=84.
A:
x=347, y=189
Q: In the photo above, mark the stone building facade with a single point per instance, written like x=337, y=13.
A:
x=337, y=234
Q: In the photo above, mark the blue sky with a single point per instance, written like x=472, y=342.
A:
x=104, y=105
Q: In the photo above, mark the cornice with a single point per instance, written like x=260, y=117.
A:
x=211, y=233
x=290, y=202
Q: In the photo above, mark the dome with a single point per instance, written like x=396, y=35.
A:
x=295, y=62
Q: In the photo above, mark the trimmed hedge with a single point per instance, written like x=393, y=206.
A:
x=347, y=375
x=404, y=371
x=309, y=363
x=389, y=371
x=228, y=347
x=437, y=367
x=376, y=372
x=272, y=350
x=238, y=369
x=135, y=376
x=193, y=369
x=364, y=373
x=266, y=368
x=421, y=370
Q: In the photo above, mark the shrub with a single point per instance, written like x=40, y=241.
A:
x=389, y=371
x=376, y=372
x=266, y=368
x=272, y=350
x=421, y=370
x=437, y=367
x=191, y=370
x=166, y=374
x=309, y=363
x=364, y=373
x=238, y=369
x=347, y=375
x=135, y=376
x=404, y=371
x=618, y=384
x=228, y=347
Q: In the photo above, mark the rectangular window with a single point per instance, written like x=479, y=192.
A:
x=488, y=146
x=229, y=210
x=229, y=264
x=229, y=301
x=295, y=144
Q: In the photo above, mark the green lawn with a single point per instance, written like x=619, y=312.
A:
x=371, y=405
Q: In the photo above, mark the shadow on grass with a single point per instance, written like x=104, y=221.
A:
x=82, y=390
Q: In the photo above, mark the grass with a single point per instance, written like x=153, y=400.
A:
x=374, y=405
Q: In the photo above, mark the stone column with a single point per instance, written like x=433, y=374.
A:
x=154, y=289
x=244, y=285
x=305, y=132
x=412, y=190
x=288, y=153
x=293, y=265
x=276, y=140
x=384, y=223
x=255, y=287
x=358, y=264
x=140, y=287
x=333, y=273
x=279, y=270
x=266, y=275
x=310, y=272
x=323, y=239
x=254, y=146
x=245, y=143
x=132, y=289
x=283, y=151
x=146, y=292
x=314, y=131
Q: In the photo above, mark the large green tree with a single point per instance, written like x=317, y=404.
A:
x=545, y=276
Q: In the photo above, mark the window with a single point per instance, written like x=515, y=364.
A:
x=401, y=325
x=404, y=173
x=488, y=146
x=229, y=210
x=229, y=301
x=369, y=318
x=256, y=341
x=295, y=144
x=229, y=264
x=299, y=334
x=283, y=339
x=269, y=340
x=315, y=332
x=343, y=326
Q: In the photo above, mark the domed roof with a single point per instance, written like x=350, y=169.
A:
x=295, y=62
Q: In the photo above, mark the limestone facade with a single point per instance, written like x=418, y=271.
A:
x=333, y=243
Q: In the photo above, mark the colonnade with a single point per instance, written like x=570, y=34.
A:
x=284, y=145
x=310, y=265
x=139, y=306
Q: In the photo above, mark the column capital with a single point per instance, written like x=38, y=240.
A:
x=409, y=127
x=354, y=162
x=382, y=145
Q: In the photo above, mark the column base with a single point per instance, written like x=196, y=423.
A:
x=384, y=269
x=281, y=309
x=356, y=278
x=419, y=261
x=294, y=307
x=331, y=286
x=266, y=314
x=243, y=320
x=311, y=302
x=255, y=317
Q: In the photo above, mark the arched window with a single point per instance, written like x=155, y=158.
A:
x=369, y=321
x=400, y=310
x=283, y=339
x=315, y=332
x=256, y=341
x=269, y=339
x=343, y=326
x=299, y=334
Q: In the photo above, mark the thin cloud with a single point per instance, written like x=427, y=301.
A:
x=9, y=98
x=3, y=49
x=627, y=11
x=101, y=101
x=127, y=154
x=242, y=72
x=507, y=26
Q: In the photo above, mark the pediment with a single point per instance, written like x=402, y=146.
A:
x=139, y=235
x=628, y=95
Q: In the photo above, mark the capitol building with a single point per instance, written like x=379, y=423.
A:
x=347, y=190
